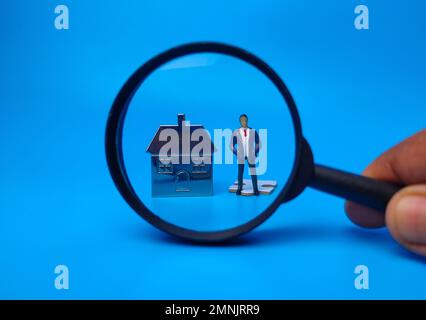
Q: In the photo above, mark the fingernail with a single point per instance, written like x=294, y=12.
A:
x=411, y=218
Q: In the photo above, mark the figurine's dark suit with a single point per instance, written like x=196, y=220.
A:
x=248, y=142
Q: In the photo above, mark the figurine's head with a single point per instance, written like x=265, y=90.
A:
x=244, y=120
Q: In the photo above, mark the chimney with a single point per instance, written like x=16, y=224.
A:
x=181, y=119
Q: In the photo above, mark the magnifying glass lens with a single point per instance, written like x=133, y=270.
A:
x=193, y=127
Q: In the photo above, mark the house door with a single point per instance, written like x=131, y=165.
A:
x=182, y=181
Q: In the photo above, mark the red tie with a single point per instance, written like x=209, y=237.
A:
x=245, y=132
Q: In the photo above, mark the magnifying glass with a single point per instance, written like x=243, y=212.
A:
x=204, y=141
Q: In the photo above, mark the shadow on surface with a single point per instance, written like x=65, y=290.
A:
x=309, y=234
x=276, y=236
x=290, y=234
x=382, y=240
x=372, y=237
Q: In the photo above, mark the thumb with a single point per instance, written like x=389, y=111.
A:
x=406, y=218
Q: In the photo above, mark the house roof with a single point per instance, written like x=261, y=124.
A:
x=156, y=145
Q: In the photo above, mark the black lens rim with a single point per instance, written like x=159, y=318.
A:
x=114, y=134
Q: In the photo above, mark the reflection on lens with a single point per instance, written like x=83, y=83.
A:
x=208, y=142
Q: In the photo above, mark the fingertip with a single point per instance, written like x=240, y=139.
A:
x=406, y=218
x=363, y=216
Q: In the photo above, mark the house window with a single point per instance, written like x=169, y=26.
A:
x=199, y=168
x=165, y=168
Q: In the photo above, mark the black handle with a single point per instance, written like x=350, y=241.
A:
x=369, y=192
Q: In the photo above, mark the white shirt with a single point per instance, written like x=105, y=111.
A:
x=245, y=140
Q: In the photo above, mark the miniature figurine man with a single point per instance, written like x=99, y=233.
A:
x=248, y=142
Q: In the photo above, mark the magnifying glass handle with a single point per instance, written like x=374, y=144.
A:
x=369, y=192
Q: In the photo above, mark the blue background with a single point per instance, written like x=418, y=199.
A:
x=358, y=93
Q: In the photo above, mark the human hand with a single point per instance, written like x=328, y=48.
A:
x=406, y=212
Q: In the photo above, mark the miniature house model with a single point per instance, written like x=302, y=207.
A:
x=186, y=175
